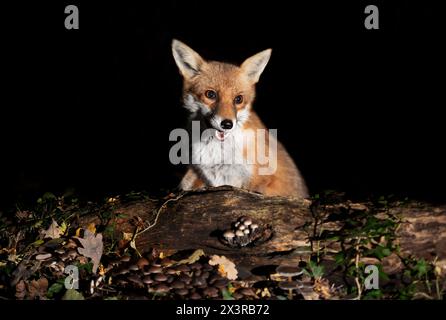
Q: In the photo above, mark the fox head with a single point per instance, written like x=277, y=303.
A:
x=220, y=93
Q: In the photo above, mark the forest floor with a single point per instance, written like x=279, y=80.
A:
x=46, y=252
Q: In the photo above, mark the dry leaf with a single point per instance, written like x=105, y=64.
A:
x=127, y=236
x=225, y=266
x=193, y=257
x=54, y=231
x=20, y=290
x=92, y=227
x=38, y=289
x=265, y=293
x=92, y=247
x=323, y=288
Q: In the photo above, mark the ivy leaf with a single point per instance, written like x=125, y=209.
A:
x=54, y=289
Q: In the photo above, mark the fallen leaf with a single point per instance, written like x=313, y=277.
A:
x=38, y=289
x=195, y=256
x=92, y=227
x=63, y=227
x=54, y=289
x=265, y=293
x=225, y=266
x=54, y=231
x=127, y=236
x=92, y=247
x=20, y=290
x=72, y=294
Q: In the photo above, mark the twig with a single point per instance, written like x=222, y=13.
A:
x=158, y=213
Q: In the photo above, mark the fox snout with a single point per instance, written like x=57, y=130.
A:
x=223, y=119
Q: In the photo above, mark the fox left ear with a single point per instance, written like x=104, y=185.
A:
x=254, y=66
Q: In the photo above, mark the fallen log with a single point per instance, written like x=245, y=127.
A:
x=196, y=220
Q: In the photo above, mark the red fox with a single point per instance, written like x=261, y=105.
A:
x=220, y=97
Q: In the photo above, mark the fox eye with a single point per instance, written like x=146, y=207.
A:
x=238, y=99
x=211, y=94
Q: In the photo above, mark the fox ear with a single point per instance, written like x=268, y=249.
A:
x=188, y=61
x=254, y=66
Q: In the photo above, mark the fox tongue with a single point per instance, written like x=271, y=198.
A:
x=220, y=135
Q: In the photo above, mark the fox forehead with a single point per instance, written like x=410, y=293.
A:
x=225, y=78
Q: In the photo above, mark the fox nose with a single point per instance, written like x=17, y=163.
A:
x=226, y=124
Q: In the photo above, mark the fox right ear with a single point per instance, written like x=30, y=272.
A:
x=188, y=61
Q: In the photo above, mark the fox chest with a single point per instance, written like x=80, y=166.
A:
x=222, y=163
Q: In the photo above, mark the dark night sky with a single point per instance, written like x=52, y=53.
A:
x=91, y=109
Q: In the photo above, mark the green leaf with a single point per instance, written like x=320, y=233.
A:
x=226, y=295
x=38, y=243
x=339, y=258
x=54, y=289
x=421, y=267
x=72, y=294
x=87, y=266
x=381, y=252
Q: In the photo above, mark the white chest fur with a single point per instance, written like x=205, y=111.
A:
x=222, y=162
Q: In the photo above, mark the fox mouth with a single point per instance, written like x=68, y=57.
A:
x=221, y=135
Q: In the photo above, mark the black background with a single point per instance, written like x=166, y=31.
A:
x=91, y=109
